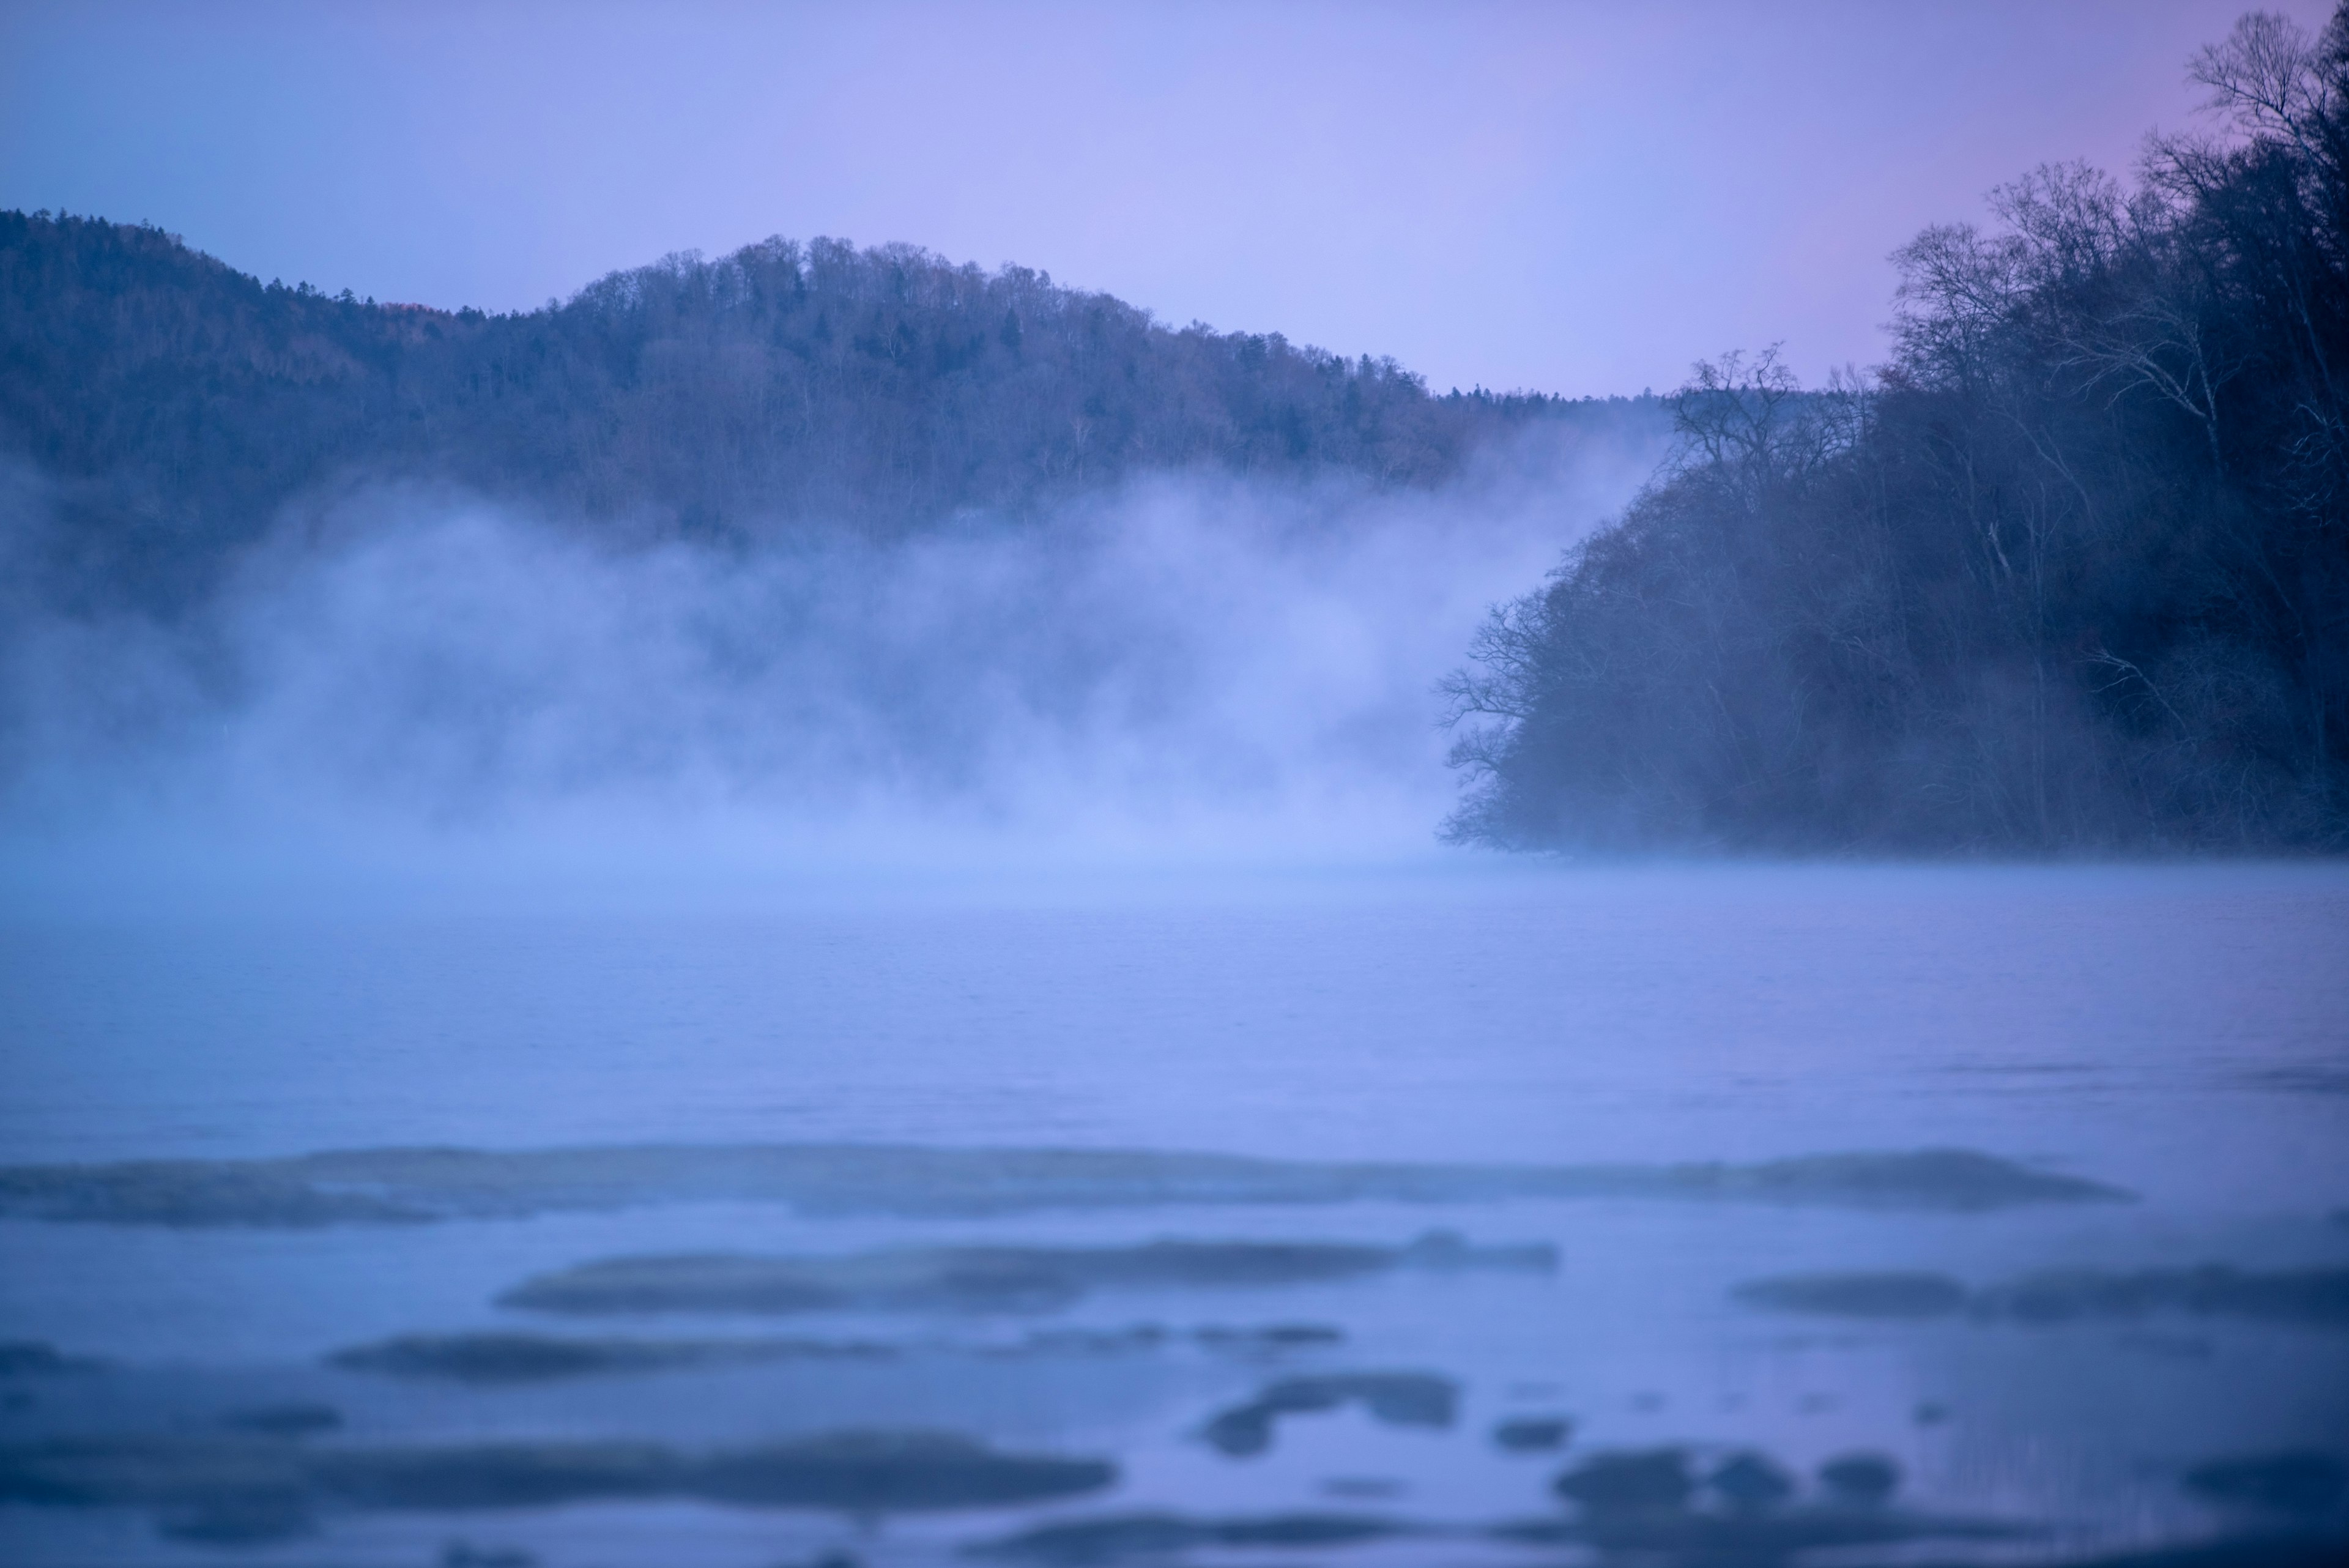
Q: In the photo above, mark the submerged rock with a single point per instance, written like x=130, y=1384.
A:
x=297, y=1419
x=1633, y=1479
x=1398, y=1398
x=1155, y=1535
x=889, y=1472
x=244, y=1489
x=1271, y=1336
x=1866, y=1480
x=195, y=1194
x=854, y=1473
x=223, y=1489
x=454, y=1478
x=465, y=1555
x=976, y=1279
x=1102, y=1539
x=238, y=1521
x=502, y=1357
x=2318, y=1297
x=1946, y=1179
x=506, y=1358
x=1737, y=1537
x=1645, y=1504
x=1532, y=1434
x=2304, y=1480
x=489, y=1359
x=1888, y=1295
x=1751, y=1479
x=2324, y=1548
x=32, y=1357
x=405, y=1186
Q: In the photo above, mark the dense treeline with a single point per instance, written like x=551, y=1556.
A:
x=176, y=403
x=2072, y=572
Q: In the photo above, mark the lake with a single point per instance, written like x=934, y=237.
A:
x=1528, y=1196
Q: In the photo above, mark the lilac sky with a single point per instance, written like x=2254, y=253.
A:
x=1575, y=197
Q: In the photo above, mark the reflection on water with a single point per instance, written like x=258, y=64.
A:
x=1674, y=1217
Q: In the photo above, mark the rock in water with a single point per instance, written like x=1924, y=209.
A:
x=227, y=1490
x=1398, y=1398
x=978, y=1279
x=1532, y=1434
x=1750, y=1480
x=889, y=1472
x=408, y=1185
x=2300, y=1480
x=1866, y=1480
x=1636, y=1480
x=297, y=1419
x=1884, y=1296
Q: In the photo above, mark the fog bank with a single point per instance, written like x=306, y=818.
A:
x=420, y=682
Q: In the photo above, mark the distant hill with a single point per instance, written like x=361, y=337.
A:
x=177, y=403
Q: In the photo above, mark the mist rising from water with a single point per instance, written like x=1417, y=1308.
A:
x=1187, y=667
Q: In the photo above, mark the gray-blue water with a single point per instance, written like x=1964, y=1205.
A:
x=2181, y=1032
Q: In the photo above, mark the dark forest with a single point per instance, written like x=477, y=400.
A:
x=2070, y=574
x=177, y=404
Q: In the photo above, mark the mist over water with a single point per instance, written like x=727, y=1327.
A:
x=1186, y=665
x=2147, y=1058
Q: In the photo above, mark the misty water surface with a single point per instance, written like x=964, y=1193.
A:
x=2173, y=1031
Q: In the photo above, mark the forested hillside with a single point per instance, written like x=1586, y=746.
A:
x=176, y=403
x=2072, y=574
